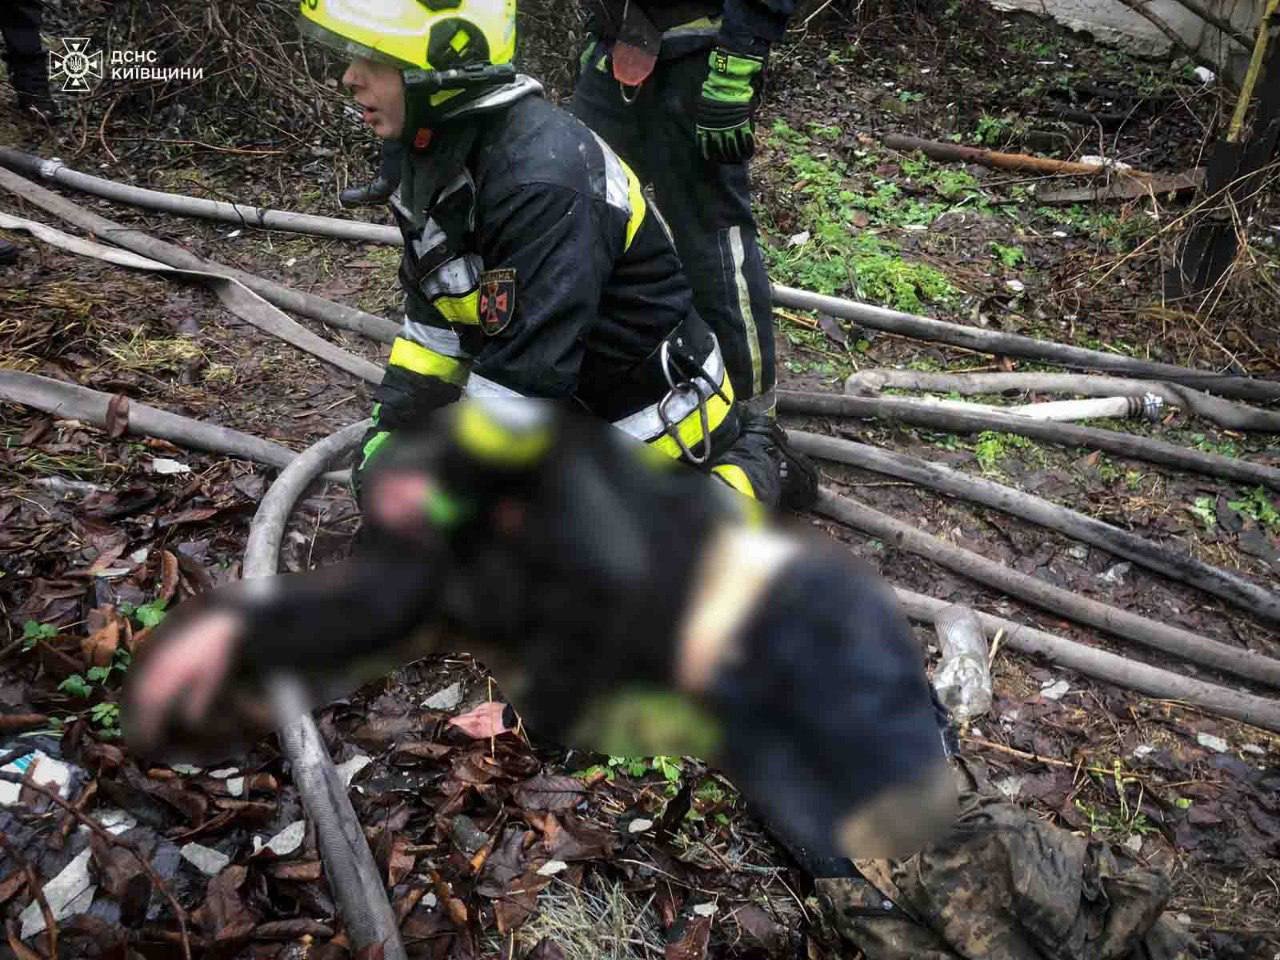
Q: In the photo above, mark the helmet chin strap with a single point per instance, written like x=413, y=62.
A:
x=420, y=86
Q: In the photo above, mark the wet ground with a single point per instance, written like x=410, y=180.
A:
x=98, y=534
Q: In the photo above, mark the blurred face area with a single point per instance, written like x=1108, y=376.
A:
x=379, y=89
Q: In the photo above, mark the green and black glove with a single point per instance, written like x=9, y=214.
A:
x=726, y=132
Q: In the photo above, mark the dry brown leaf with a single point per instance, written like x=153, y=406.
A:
x=117, y=421
x=100, y=646
x=688, y=940
x=545, y=792
x=483, y=722
x=168, y=575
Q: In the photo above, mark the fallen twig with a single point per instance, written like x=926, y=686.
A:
x=999, y=160
x=37, y=891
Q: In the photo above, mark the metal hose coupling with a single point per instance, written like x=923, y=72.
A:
x=1149, y=406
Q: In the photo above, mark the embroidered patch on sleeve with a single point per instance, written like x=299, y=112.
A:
x=497, y=300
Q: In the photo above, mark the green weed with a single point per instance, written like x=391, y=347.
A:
x=1010, y=256
x=33, y=633
x=1258, y=505
x=1204, y=510
x=840, y=256
x=993, y=447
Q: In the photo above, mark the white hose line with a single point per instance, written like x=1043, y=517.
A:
x=234, y=295
x=1016, y=345
x=306, y=304
x=237, y=213
x=879, y=318
x=352, y=872
x=1225, y=413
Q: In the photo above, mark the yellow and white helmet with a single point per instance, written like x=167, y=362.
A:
x=431, y=35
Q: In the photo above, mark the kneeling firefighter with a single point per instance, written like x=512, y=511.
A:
x=579, y=564
x=533, y=266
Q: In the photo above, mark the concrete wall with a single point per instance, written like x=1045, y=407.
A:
x=1113, y=22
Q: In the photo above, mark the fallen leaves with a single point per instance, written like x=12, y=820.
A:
x=483, y=722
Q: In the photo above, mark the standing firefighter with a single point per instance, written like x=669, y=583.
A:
x=672, y=85
x=24, y=55
x=533, y=266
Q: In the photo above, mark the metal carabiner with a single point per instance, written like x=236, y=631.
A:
x=671, y=427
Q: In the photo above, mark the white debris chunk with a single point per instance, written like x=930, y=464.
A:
x=1143, y=750
x=224, y=773
x=1117, y=573
x=235, y=786
x=166, y=467
x=348, y=769
x=1016, y=286
x=1055, y=690
x=68, y=894
x=208, y=861
x=1254, y=749
x=1204, y=74
x=38, y=767
x=287, y=840
x=445, y=699
x=705, y=909
x=639, y=825
x=798, y=239
x=1010, y=786
x=552, y=867
x=1217, y=744
x=1134, y=842
x=186, y=769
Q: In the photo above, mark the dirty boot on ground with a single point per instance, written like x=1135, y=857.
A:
x=373, y=193
x=798, y=474
x=378, y=190
x=1006, y=885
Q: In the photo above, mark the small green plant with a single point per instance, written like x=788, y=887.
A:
x=147, y=614
x=1205, y=510
x=33, y=633
x=77, y=686
x=106, y=716
x=994, y=131
x=1225, y=448
x=907, y=96
x=1258, y=505
x=1010, y=256
x=1107, y=470
x=993, y=447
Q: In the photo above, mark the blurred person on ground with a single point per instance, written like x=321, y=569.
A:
x=533, y=265
x=584, y=566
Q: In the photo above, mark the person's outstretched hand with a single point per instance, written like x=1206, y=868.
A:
x=179, y=676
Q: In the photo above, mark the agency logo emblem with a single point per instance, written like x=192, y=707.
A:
x=74, y=65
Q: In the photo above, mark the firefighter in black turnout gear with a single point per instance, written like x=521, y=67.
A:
x=533, y=265
x=25, y=56
x=583, y=560
x=673, y=85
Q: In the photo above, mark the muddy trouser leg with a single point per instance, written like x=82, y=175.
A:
x=28, y=66
x=706, y=206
